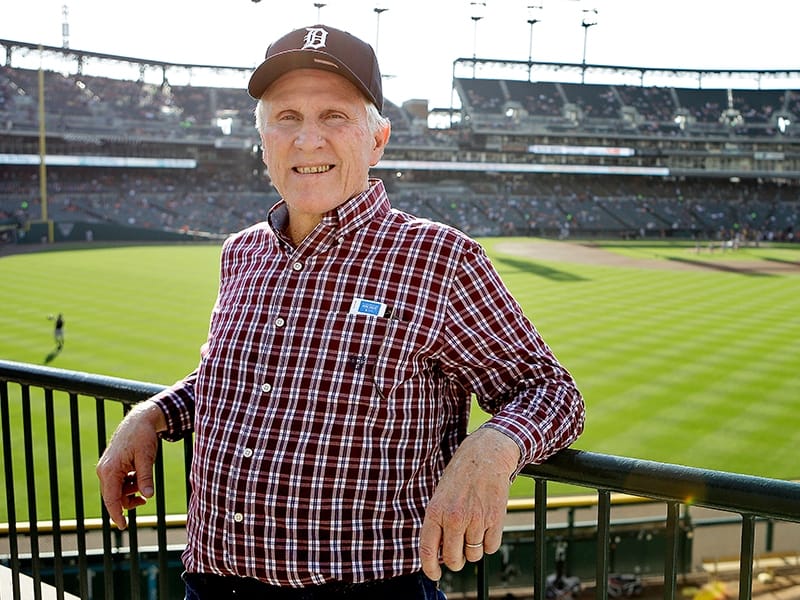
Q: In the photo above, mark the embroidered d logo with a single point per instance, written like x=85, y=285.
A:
x=315, y=38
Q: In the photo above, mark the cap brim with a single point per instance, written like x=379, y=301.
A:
x=279, y=64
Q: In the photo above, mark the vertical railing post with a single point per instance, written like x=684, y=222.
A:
x=30, y=468
x=161, y=525
x=8, y=470
x=603, y=543
x=55, y=502
x=108, y=553
x=133, y=555
x=671, y=557
x=539, y=537
x=483, y=579
x=77, y=482
x=746, y=556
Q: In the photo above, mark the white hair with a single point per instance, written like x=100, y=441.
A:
x=375, y=120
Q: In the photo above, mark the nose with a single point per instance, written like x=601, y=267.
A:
x=309, y=136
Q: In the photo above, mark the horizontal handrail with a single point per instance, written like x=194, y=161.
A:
x=79, y=382
x=732, y=492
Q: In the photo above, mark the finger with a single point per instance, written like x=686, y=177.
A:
x=430, y=540
x=474, y=547
x=493, y=538
x=453, y=550
x=113, y=501
x=144, y=475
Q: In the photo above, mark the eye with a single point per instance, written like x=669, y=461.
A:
x=335, y=116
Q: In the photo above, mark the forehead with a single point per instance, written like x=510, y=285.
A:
x=304, y=83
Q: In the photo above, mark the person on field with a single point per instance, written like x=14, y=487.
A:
x=330, y=404
x=58, y=331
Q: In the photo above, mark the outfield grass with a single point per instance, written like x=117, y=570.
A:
x=694, y=368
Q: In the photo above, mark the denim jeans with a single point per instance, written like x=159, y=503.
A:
x=216, y=587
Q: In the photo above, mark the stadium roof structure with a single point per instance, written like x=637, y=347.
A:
x=78, y=61
x=31, y=55
x=621, y=74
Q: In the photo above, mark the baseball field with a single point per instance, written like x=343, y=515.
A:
x=685, y=353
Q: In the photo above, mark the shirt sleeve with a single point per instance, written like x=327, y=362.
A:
x=496, y=353
x=177, y=403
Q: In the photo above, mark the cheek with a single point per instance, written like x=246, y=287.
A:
x=269, y=151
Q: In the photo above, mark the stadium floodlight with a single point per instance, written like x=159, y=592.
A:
x=319, y=6
x=477, y=10
x=379, y=9
x=533, y=17
x=589, y=20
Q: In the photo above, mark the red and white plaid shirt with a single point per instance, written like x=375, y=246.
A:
x=336, y=386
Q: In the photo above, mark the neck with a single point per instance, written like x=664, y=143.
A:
x=300, y=226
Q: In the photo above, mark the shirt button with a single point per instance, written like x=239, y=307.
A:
x=340, y=240
x=298, y=266
x=265, y=387
x=280, y=322
x=248, y=452
x=238, y=517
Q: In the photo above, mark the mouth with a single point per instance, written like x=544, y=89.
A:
x=313, y=170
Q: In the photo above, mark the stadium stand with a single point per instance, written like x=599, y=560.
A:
x=551, y=158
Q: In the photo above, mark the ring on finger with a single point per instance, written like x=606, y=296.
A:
x=478, y=545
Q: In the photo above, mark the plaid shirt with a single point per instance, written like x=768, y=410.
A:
x=336, y=386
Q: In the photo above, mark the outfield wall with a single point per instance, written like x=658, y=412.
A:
x=37, y=233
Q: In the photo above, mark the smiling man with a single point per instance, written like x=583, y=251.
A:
x=331, y=401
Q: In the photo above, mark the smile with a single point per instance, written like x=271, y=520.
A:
x=313, y=170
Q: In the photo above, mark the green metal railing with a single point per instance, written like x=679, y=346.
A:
x=45, y=410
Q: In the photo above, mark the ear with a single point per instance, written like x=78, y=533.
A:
x=381, y=139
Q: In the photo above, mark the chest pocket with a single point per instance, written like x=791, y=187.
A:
x=375, y=352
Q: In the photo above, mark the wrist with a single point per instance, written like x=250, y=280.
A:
x=151, y=413
x=502, y=448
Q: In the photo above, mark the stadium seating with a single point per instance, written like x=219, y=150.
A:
x=90, y=115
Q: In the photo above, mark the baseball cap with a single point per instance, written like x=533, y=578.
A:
x=321, y=47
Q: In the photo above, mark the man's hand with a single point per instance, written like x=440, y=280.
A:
x=464, y=519
x=126, y=467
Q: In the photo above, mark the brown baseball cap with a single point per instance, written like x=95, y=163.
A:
x=321, y=47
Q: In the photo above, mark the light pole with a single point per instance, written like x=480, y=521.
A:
x=319, y=6
x=378, y=11
x=589, y=20
x=533, y=18
x=477, y=9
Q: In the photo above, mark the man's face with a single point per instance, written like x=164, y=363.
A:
x=317, y=145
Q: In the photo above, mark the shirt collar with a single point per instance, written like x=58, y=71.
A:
x=358, y=210
x=346, y=218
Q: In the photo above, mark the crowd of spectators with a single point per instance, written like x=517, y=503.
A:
x=223, y=201
x=655, y=108
x=617, y=206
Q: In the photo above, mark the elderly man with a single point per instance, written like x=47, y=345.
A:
x=347, y=341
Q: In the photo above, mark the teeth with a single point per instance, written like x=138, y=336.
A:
x=316, y=169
